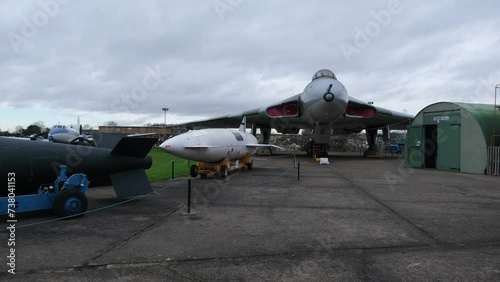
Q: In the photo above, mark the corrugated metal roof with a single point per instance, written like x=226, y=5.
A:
x=482, y=113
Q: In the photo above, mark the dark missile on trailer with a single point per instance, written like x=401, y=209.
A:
x=117, y=159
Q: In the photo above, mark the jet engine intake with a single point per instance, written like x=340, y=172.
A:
x=360, y=111
x=283, y=110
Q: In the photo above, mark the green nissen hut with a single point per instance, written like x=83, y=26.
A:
x=452, y=136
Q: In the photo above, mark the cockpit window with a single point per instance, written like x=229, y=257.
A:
x=238, y=136
x=324, y=73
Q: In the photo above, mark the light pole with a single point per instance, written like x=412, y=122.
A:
x=164, y=116
x=492, y=142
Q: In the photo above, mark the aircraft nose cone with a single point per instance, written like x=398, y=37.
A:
x=166, y=146
x=328, y=96
x=174, y=145
x=324, y=100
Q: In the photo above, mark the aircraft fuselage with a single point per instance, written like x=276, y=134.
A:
x=323, y=100
x=210, y=145
x=66, y=136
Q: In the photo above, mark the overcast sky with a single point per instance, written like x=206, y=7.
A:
x=125, y=60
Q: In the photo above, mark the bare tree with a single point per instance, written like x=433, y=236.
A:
x=111, y=123
x=87, y=127
x=19, y=129
x=40, y=124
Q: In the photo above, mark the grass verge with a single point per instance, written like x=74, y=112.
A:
x=162, y=166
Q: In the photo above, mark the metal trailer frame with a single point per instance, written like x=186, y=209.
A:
x=221, y=168
x=66, y=196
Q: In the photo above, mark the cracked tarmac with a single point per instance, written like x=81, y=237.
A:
x=355, y=219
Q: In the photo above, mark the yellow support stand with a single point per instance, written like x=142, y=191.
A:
x=245, y=160
x=215, y=168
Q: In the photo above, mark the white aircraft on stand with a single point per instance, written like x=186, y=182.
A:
x=215, y=149
x=323, y=106
x=64, y=134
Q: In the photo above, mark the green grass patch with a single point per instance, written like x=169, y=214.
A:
x=162, y=166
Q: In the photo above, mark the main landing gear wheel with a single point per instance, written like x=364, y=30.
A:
x=223, y=172
x=192, y=171
x=70, y=202
x=249, y=166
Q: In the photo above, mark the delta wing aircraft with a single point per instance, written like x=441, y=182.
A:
x=324, y=106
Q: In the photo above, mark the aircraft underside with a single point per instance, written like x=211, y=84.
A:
x=320, y=143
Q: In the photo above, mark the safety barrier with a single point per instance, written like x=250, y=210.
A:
x=493, y=167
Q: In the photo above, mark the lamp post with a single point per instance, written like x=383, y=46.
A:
x=492, y=142
x=164, y=116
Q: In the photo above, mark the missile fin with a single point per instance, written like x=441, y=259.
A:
x=243, y=125
x=264, y=145
x=107, y=140
x=134, y=147
x=121, y=144
x=131, y=183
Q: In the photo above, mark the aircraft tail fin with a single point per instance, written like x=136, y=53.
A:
x=243, y=125
x=131, y=183
x=78, y=126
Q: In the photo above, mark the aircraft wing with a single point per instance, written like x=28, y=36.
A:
x=232, y=121
x=289, y=113
x=360, y=115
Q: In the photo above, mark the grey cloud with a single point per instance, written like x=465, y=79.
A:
x=92, y=53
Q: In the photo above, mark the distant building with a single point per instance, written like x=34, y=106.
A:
x=162, y=131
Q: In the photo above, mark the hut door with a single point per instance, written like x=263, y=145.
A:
x=413, y=145
x=448, y=140
x=430, y=146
